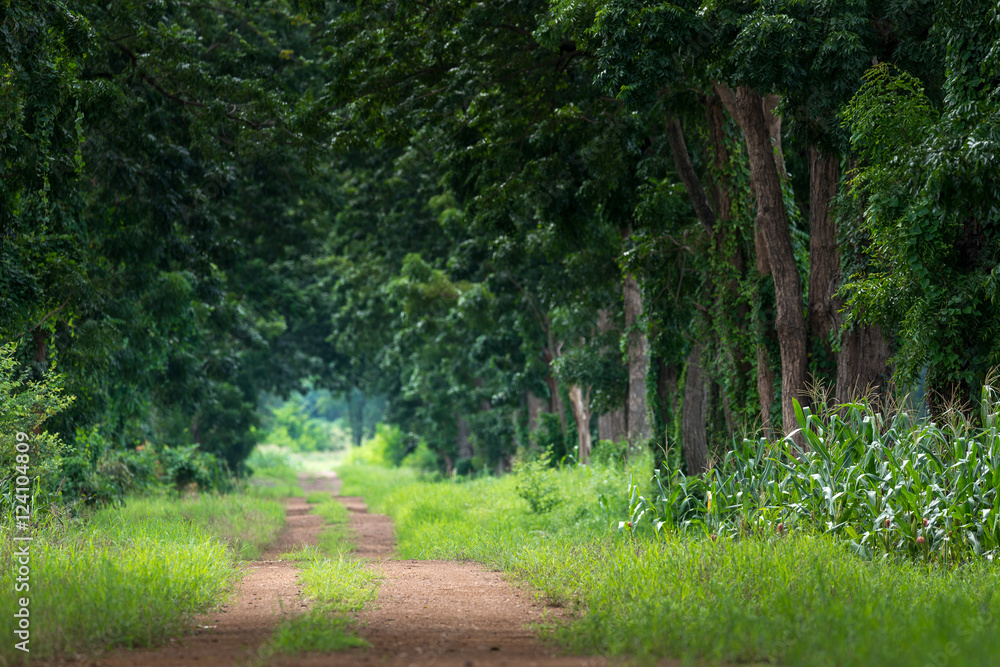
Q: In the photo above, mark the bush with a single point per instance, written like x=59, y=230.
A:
x=119, y=473
x=387, y=448
x=24, y=406
x=609, y=452
x=535, y=483
x=422, y=459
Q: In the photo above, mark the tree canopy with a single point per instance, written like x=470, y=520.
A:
x=525, y=224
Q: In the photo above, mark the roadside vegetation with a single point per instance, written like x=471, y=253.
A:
x=772, y=556
x=132, y=576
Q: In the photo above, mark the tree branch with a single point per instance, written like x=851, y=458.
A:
x=685, y=170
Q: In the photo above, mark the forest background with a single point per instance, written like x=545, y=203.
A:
x=503, y=226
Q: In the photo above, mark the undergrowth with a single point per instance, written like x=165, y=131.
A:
x=797, y=598
x=886, y=485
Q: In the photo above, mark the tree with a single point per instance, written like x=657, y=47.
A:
x=927, y=179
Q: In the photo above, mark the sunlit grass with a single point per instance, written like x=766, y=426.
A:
x=313, y=632
x=274, y=474
x=334, y=587
x=245, y=523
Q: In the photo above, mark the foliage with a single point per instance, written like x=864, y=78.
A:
x=887, y=485
x=535, y=483
x=111, y=475
x=386, y=448
x=25, y=405
x=291, y=425
x=927, y=180
x=421, y=459
x=127, y=259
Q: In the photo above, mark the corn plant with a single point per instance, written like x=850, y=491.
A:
x=887, y=485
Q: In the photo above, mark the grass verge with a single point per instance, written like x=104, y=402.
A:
x=798, y=600
x=133, y=576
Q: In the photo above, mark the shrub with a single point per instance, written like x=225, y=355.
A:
x=421, y=458
x=24, y=406
x=386, y=448
x=535, y=483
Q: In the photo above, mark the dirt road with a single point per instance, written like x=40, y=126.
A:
x=427, y=612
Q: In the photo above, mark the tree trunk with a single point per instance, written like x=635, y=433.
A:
x=728, y=98
x=694, y=430
x=580, y=403
x=768, y=104
x=555, y=401
x=462, y=444
x=824, y=257
x=550, y=354
x=356, y=415
x=789, y=321
x=536, y=406
x=721, y=190
x=863, y=363
x=40, y=340
x=685, y=171
x=612, y=425
x=638, y=363
x=765, y=389
x=666, y=390
x=732, y=308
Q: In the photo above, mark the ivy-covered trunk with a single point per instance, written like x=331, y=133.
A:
x=824, y=258
x=789, y=321
x=863, y=362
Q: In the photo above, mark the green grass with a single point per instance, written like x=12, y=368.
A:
x=338, y=584
x=336, y=539
x=313, y=632
x=318, y=497
x=797, y=600
x=334, y=587
x=275, y=474
x=246, y=523
x=134, y=576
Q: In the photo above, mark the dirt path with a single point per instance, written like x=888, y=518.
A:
x=427, y=613
x=268, y=591
x=439, y=612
